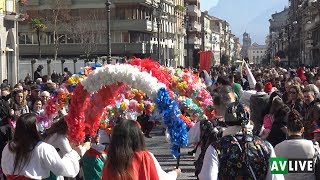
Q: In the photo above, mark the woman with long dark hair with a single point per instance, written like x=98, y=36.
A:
x=128, y=158
x=29, y=157
x=19, y=104
x=295, y=100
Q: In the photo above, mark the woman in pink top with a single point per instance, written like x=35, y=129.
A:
x=268, y=119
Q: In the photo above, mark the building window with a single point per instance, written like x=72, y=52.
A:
x=70, y=39
x=116, y=37
x=29, y=38
x=253, y=57
x=125, y=37
x=62, y=38
x=22, y=38
x=120, y=13
x=261, y=52
x=253, y=52
x=43, y=39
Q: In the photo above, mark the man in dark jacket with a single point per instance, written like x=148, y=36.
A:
x=312, y=109
x=38, y=73
x=258, y=104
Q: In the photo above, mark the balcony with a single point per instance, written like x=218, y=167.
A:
x=141, y=25
x=193, y=1
x=195, y=27
x=194, y=40
x=193, y=10
x=132, y=48
x=182, y=31
x=135, y=2
x=10, y=16
x=76, y=49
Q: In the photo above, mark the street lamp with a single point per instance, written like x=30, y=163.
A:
x=108, y=3
x=159, y=14
x=187, y=33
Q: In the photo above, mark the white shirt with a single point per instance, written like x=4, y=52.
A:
x=44, y=158
x=59, y=141
x=296, y=149
x=210, y=167
x=194, y=137
x=172, y=175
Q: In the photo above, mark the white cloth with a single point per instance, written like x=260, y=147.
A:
x=171, y=175
x=296, y=149
x=194, y=137
x=210, y=167
x=59, y=141
x=44, y=158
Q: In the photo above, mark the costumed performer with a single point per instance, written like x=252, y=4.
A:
x=93, y=160
x=128, y=157
x=29, y=157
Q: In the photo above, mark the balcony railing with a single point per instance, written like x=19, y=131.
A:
x=193, y=10
x=194, y=40
x=195, y=26
x=142, y=25
x=136, y=1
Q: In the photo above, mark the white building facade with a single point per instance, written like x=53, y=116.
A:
x=256, y=53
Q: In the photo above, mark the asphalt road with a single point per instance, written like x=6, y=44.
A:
x=161, y=149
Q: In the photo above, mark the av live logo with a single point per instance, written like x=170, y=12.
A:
x=281, y=165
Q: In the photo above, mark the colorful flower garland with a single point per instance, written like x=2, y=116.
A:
x=113, y=75
x=185, y=83
x=58, y=100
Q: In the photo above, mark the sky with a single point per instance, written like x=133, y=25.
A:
x=207, y=4
x=251, y=16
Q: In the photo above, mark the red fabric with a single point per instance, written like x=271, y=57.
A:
x=142, y=165
x=268, y=87
x=300, y=73
x=14, y=177
x=315, y=131
x=205, y=58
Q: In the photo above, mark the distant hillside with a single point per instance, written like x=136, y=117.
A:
x=248, y=15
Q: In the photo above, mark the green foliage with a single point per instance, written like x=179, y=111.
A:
x=38, y=24
x=179, y=8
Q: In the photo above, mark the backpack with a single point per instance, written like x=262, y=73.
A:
x=210, y=132
x=242, y=157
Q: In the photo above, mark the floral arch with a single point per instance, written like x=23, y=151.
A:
x=98, y=89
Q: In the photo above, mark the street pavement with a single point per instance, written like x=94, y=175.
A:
x=159, y=146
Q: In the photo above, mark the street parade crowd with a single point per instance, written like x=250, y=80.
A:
x=93, y=125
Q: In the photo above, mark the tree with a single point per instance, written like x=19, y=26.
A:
x=38, y=25
x=86, y=30
x=58, y=19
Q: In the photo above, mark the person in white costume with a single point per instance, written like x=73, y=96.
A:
x=29, y=157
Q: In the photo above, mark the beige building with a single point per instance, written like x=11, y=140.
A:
x=134, y=27
x=10, y=13
x=236, y=49
x=206, y=32
x=193, y=29
x=180, y=33
x=256, y=53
